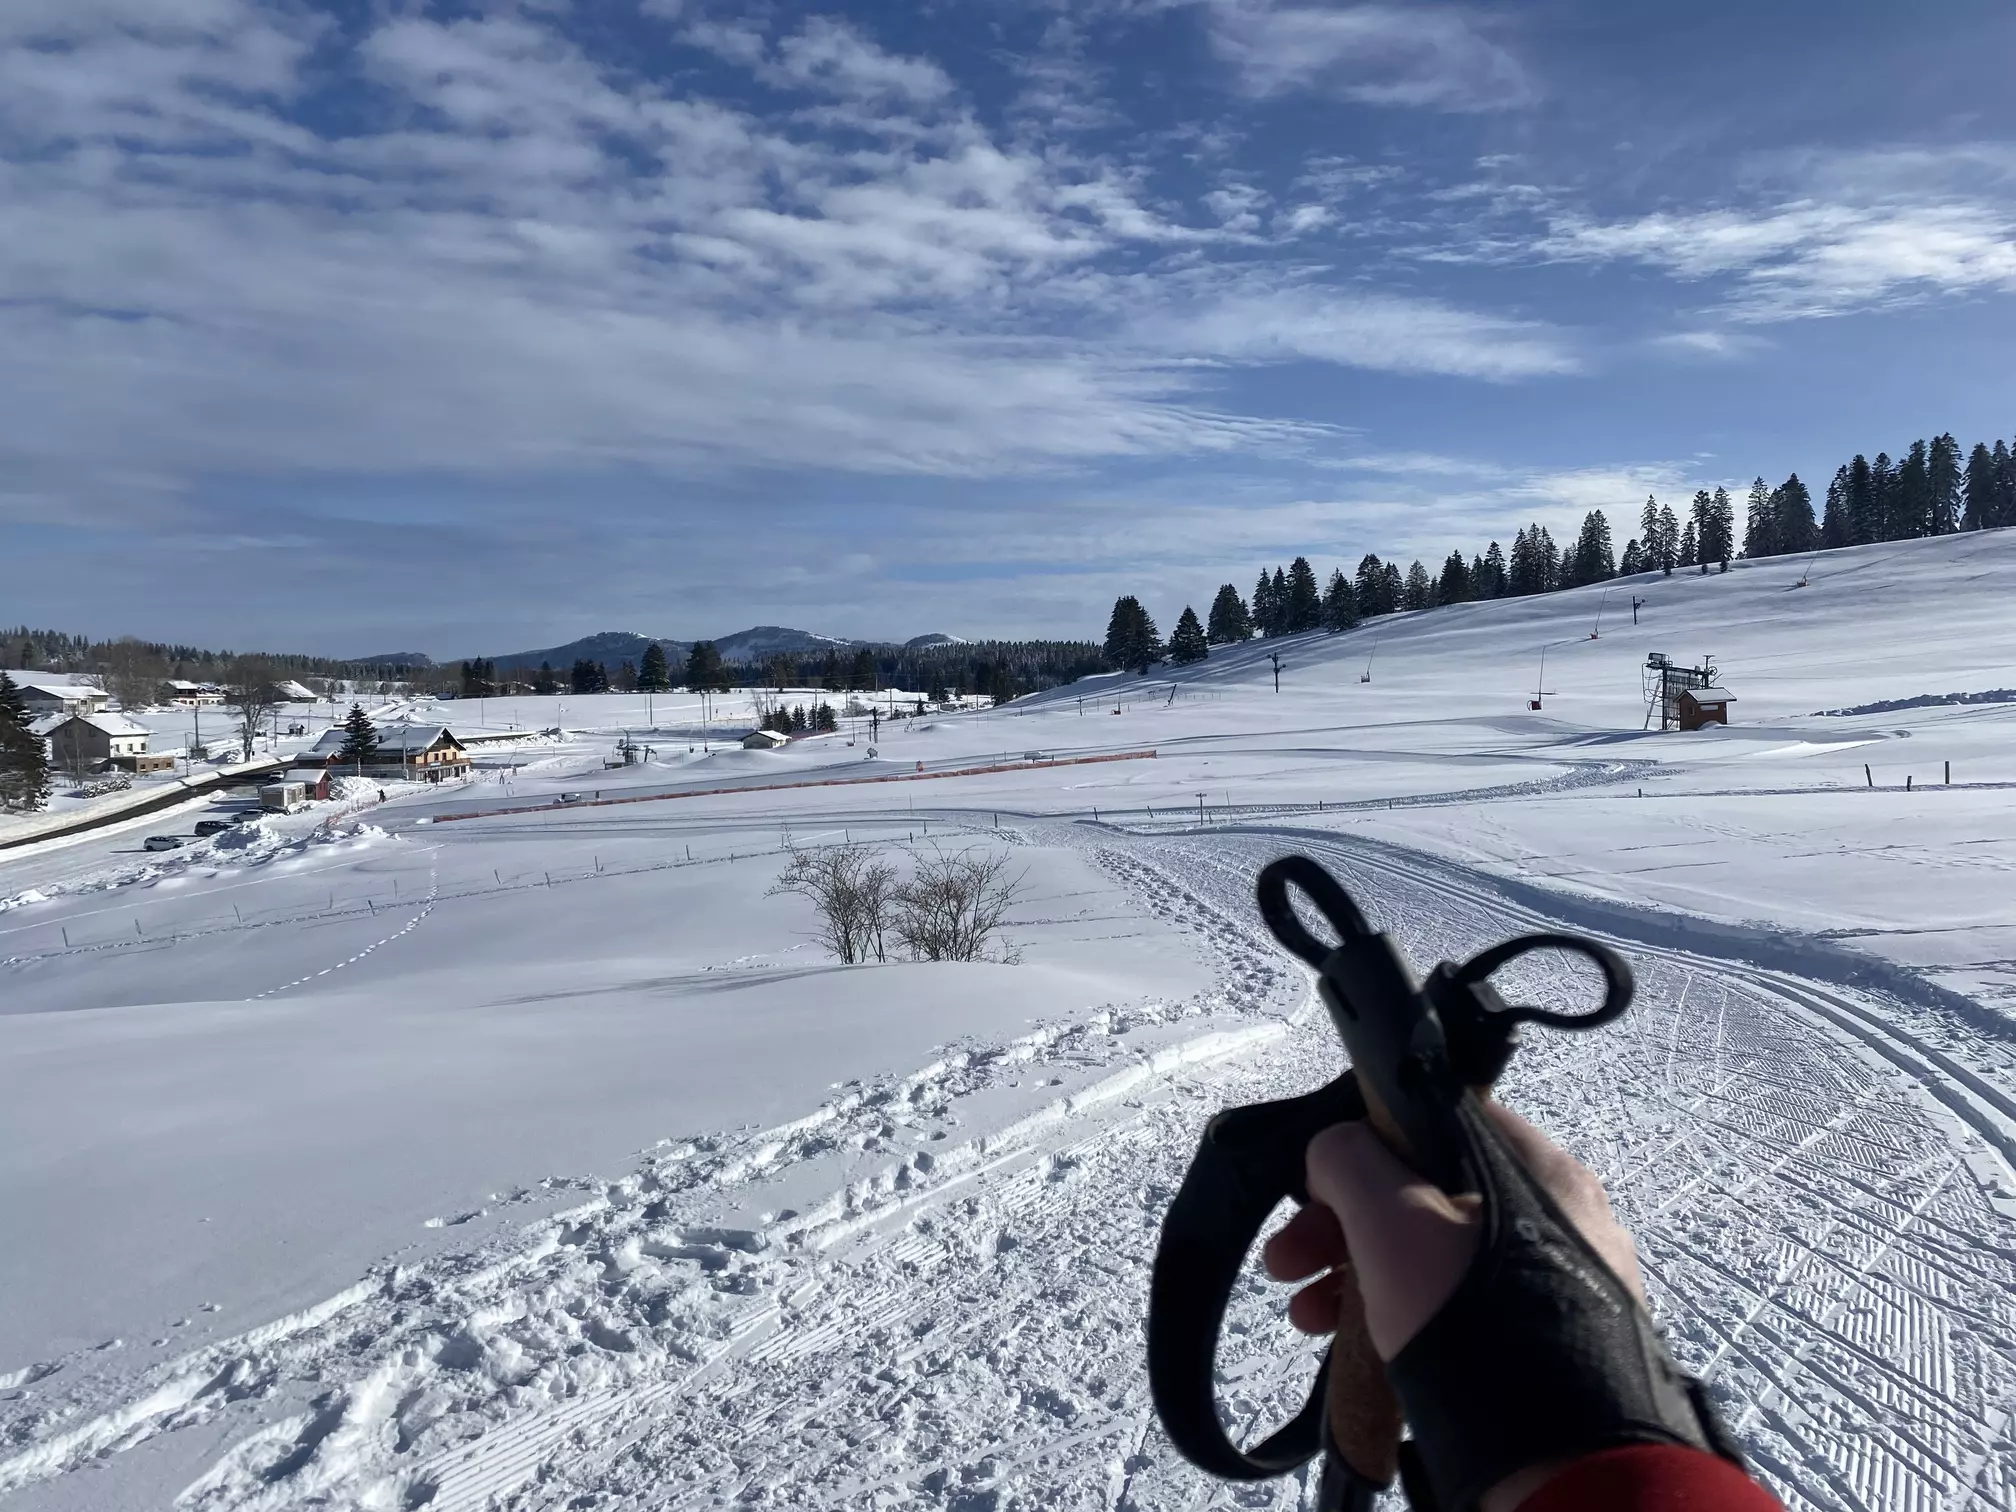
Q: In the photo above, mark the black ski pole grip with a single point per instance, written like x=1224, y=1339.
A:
x=1250, y=1161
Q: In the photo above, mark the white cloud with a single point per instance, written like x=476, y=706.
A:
x=1411, y=55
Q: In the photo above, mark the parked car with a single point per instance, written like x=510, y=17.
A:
x=163, y=842
x=570, y=797
x=214, y=826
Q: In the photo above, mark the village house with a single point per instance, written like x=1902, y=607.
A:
x=58, y=693
x=89, y=742
x=417, y=753
x=189, y=695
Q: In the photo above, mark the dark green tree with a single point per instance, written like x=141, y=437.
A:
x=1633, y=560
x=545, y=684
x=1595, y=554
x=705, y=672
x=1690, y=545
x=1453, y=586
x=1835, y=527
x=654, y=675
x=861, y=674
x=1340, y=603
x=1792, y=509
x=1188, y=644
x=1132, y=640
x=1861, y=502
x=1760, y=522
x=1230, y=623
x=360, y=737
x=1943, y=486
x=1910, y=512
x=1493, y=581
x=1305, y=600
x=1981, y=506
x=1418, y=592
x=1001, y=685
x=1372, y=587
x=25, y=779
x=1266, y=613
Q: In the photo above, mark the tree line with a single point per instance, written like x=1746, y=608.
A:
x=1930, y=492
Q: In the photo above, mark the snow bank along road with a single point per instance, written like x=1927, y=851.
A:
x=907, y=1299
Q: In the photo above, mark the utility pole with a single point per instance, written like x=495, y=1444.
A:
x=1275, y=657
x=1636, y=603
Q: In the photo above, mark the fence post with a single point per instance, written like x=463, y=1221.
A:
x=1907, y=782
x=1949, y=774
x=1867, y=776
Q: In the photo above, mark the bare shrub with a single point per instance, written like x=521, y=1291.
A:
x=954, y=904
x=850, y=891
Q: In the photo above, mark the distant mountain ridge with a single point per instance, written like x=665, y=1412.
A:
x=613, y=647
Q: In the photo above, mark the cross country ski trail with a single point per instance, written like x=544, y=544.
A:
x=906, y=1299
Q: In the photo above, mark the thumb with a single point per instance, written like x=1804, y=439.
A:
x=1410, y=1242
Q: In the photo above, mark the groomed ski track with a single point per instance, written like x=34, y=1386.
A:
x=1824, y=1202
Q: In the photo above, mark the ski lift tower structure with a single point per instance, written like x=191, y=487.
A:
x=1666, y=680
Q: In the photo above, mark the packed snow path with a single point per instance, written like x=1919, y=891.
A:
x=872, y=1308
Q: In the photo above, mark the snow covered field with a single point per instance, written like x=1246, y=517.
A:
x=399, y=1159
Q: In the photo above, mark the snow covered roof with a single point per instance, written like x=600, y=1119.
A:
x=312, y=776
x=297, y=693
x=1708, y=695
x=114, y=724
x=392, y=739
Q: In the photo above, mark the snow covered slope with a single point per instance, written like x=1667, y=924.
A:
x=537, y=1160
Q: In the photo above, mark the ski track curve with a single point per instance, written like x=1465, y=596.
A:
x=1825, y=1226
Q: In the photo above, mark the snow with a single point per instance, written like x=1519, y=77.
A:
x=384, y=1156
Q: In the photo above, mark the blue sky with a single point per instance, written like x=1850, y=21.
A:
x=463, y=328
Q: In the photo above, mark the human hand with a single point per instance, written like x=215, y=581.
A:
x=1408, y=1243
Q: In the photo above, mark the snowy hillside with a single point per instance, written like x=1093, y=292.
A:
x=512, y=1143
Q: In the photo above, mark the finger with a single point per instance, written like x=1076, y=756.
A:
x=1309, y=1242
x=1315, y=1308
x=1553, y=1167
x=1577, y=1191
x=1409, y=1243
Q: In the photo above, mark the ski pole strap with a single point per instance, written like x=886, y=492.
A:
x=1251, y=1159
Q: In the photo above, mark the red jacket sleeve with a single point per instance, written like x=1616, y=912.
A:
x=1651, y=1478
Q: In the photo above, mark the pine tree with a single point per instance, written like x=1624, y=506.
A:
x=360, y=737
x=1910, y=513
x=1861, y=502
x=545, y=684
x=1981, y=507
x=1719, y=543
x=1651, y=533
x=1633, y=560
x=2005, y=485
x=829, y=672
x=1229, y=623
x=1395, y=586
x=1835, y=528
x=1305, y=601
x=1453, y=586
x=654, y=675
x=1700, y=531
x=25, y=778
x=1690, y=547
x=1492, y=582
x=1881, y=524
x=1942, y=486
x=1371, y=587
x=1419, y=591
x=1266, y=619
x=1132, y=640
x=1760, y=522
x=1792, y=516
x=1669, y=540
x=1340, y=604
x=704, y=670
x=1595, y=554
x=862, y=676
x=1279, y=610
x=1188, y=644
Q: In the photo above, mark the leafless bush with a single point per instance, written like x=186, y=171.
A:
x=954, y=903
x=850, y=891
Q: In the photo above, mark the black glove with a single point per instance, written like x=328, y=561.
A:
x=1542, y=1353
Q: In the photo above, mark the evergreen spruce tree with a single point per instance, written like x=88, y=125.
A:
x=1230, y=623
x=1882, y=525
x=1861, y=502
x=1942, y=486
x=2005, y=485
x=1453, y=586
x=1633, y=560
x=626, y=676
x=1669, y=540
x=1979, y=510
x=1395, y=586
x=1911, y=502
x=1760, y=522
x=1265, y=618
x=1651, y=533
x=1305, y=600
x=1522, y=574
x=1477, y=585
x=654, y=675
x=25, y=778
x=545, y=684
x=1493, y=581
x=1280, y=609
x=1418, y=592
x=1340, y=604
x=1595, y=553
x=1132, y=641
x=704, y=670
x=1835, y=528
x=1690, y=549
x=862, y=676
x=1719, y=544
x=1792, y=512
x=1700, y=531
x=1371, y=586
x=360, y=737
x=1188, y=644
